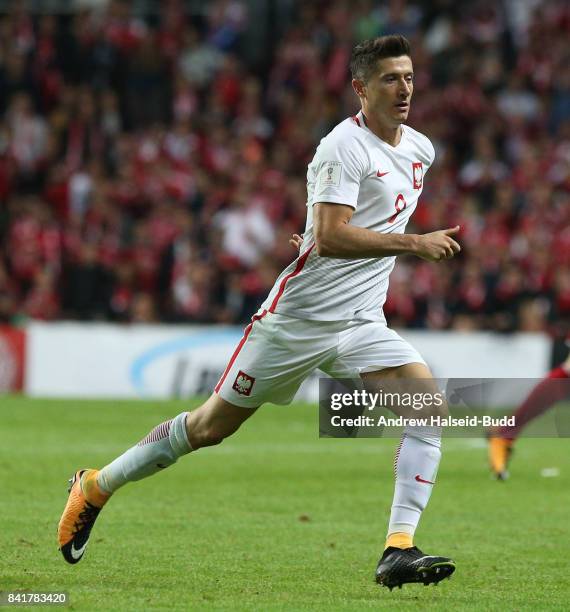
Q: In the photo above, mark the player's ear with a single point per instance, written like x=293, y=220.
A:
x=359, y=87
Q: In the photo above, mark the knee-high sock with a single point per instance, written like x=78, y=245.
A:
x=415, y=466
x=159, y=449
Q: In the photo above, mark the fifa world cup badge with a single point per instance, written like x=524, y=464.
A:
x=330, y=174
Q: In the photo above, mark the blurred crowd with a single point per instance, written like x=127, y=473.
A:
x=149, y=172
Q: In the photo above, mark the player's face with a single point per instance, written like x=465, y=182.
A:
x=388, y=93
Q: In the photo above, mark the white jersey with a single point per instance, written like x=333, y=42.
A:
x=382, y=183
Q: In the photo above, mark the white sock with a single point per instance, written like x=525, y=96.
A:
x=159, y=449
x=415, y=466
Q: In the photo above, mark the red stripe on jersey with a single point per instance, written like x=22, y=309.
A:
x=300, y=263
x=356, y=121
x=238, y=349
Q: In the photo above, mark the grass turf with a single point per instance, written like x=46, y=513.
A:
x=273, y=519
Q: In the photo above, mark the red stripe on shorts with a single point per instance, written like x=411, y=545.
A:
x=300, y=264
x=238, y=349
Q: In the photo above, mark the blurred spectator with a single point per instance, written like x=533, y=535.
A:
x=42, y=299
x=199, y=59
x=143, y=309
x=8, y=295
x=246, y=231
x=27, y=133
x=86, y=289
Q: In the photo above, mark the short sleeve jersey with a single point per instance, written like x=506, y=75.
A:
x=383, y=183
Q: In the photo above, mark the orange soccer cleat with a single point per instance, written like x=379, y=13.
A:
x=500, y=451
x=79, y=514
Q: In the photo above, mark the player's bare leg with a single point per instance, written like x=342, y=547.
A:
x=90, y=490
x=540, y=399
x=416, y=463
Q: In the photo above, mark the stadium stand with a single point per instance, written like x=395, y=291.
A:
x=152, y=164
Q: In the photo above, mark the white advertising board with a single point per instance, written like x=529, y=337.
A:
x=104, y=360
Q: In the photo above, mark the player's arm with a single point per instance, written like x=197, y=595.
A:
x=335, y=237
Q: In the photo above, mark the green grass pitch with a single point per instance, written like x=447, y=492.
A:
x=274, y=518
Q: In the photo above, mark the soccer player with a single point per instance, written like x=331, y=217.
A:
x=325, y=312
x=540, y=399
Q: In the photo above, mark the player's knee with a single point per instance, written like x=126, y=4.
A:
x=439, y=408
x=205, y=435
x=212, y=436
x=214, y=421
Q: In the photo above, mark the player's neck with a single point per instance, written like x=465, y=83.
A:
x=390, y=134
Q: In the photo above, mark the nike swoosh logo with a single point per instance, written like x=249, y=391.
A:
x=420, y=479
x=381, y=174
x=77, y=553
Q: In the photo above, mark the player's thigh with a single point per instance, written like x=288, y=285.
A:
x=276, y=357
x=371, y=346
x=414, y=383
x=407, y=370
x=383, y=360
x=214, y=420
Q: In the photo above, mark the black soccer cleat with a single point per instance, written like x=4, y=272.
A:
x=399, y=566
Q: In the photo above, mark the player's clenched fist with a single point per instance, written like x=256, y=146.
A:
x=439, y=245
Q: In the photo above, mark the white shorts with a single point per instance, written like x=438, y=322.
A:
x=278, y=352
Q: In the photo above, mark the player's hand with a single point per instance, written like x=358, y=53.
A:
x=296, y=241
x=437, y=246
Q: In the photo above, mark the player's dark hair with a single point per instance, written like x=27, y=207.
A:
x=366, y=54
